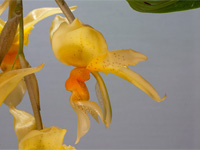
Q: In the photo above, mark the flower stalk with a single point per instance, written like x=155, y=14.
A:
x=65, y=9
x=31, y=81
x=12, y=6
x=33, y=92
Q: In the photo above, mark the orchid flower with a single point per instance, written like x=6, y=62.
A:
x=29, y=21
x=85, y=48
x=29, y=138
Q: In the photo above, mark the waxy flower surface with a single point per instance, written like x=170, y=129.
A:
x=85, y=48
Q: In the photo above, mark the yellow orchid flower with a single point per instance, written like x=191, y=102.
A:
x=29, y=138
x=82, y=46
x=10, y=79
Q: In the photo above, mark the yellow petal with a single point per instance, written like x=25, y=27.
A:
x=114, y=60
x=75, y=44
x=9, y=80
x=34, y=17
x=139, y=81
x=47, y=139
x=83, y=121
x=3, y=6
x=92, y=108
x=117, y=62
x=23, y=122
x=103, y=98
x=15, y=97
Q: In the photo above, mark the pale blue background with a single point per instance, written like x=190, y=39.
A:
x=172, y=44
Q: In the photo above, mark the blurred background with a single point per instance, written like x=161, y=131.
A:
x=171, y=43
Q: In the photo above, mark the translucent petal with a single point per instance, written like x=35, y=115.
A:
x=15, y=97
x=138, y=81
x=9, y=80
x=3, y=6
x=92, y=108
x=23, y=122
x=103, y=98
x=47, y=139
x=83, y=120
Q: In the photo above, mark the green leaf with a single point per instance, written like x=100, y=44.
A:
x=163, y=6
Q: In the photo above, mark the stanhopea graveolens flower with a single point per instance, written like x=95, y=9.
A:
x=30, y=20
x=85, y=48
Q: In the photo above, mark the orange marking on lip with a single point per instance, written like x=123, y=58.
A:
x=76, y=83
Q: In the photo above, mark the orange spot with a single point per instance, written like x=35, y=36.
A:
x=76, y=83
x=9, y=58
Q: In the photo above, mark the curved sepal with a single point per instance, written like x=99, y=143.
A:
x=117, y=62
x=139, y=81
x=16, y=96
x=83, y=120
x=103, y=98
x=9, y=80
x=81, y=108
x=23, y=122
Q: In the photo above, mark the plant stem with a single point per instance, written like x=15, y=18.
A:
x=11, y=12
x=65, y=9
x=30, y=80
x=19, y=9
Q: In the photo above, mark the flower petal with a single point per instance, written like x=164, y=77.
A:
x=103, y=98
x=117, y=62
x=3, y=6
x=138, y=81
x=47, y=139
x=83, y=120
x=23, y=122
x=92, y=108
x=16, y=96
x=9, y=80
x=114, y=60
